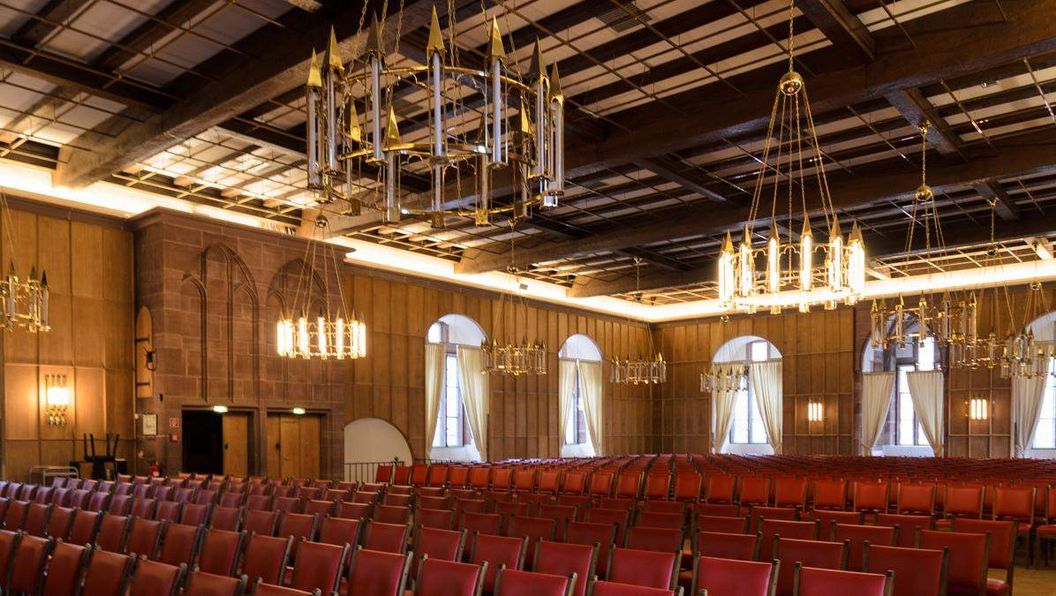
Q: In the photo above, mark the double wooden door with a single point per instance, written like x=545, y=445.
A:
x=293, y=445
x=236, y=443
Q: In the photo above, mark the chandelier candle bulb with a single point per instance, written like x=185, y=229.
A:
x=835, y=258
x=773, y=260
x=815, y=411
x=806, y=258
x=745, y=266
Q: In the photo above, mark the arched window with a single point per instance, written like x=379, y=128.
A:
x=1044, y=328
x=747, y=433
x=902, y=433
x=453, y=438
x=579, y=356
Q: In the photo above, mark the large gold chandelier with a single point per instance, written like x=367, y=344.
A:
x=648, y=370
x=519, y=127
x=1021, y=354
x=24, y=300
x=788, y=263
x=512, y=357
x=317, y=332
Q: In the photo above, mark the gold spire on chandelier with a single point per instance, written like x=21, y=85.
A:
x=23, y=301
x=790, y=265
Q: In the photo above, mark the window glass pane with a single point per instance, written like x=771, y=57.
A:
x=739, y=432
x=759, y=351
x=570, y=426
x=905, y=408
x=1045, y=435
x=926, y=355
x=757, y=431
x=922, y=439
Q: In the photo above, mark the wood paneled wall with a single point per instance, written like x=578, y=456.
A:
x=90, y=274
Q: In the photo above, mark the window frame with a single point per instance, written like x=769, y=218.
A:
x=749, y=395
x=440, y=438
x=889, y=360
x=578, y=429
x=1050, y=400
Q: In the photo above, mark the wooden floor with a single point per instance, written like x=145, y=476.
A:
x=1033, y=582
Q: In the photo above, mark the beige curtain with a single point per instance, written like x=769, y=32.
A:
x=876, y=400
x=767, y=386
x=723, y=408
x=1027, y=397
x=593, y=410
x=925, y=387
x=476, y=395
x=434, y=387
x=566, y=401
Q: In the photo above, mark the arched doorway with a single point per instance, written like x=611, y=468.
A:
x=371, y=440
x=743, y=419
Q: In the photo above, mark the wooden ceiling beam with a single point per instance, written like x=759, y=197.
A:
x=992, y=191
x=917, y=110
x=53, y=16
x=1018, y=155
x=142, y=38
x=842, y=27
x=671, y=171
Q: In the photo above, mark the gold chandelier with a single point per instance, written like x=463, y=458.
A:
x=24, y=300
x=723, y=377
x=343, y=147
x=322, y=336
x=648, y=370
x=513, y=358
x=788, y=263
x=1021, y=354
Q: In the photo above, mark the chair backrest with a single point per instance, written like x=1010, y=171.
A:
x=918, y=571
x=907, y=525
x=260, y=522
x=152, y=578
x=565, y=559
x=390, y=538
x=266, y=558
x=858, y=535
x=831, y=582
x=1015, y=503
x=602, y=588
x=485, y=523
x=168, y=511
x=27, y=568
x=391, y=514
x=9, y=542
x=730, y=576
x=180, y=544
x=107, y=574
x=870, y=496
x=687, y=486
x=319, y=567
x=85, y=526
x=15, y=515
x=98, y=501
x=143, y=537
x=769, y=529
x=963, y=501
x=830, y=494
x=658, y=519
x=589, y=533
x=969, y=553
x=36, y=521
x=657, y=539
x=609, y=516
x=201, y=583
x=375, y=573
x=144, y=507
x=497, y=551
x=812, y=553
x=743, y=547
x=651, y=569
x=299, y=526
x=220, y=551
x=790, y=492
x=226, y=518
x=112, y=532
x=629, y=483
x=60, y=520
x=754, y=490
x=449, y=578
x=194, y=514
x=66, y=569
x=435, y=518
x=916, y=498
x=759, y=513
x=1002, y=539
x=512, y=582
x=120, y=505
x=825, y=519
x=352, y=510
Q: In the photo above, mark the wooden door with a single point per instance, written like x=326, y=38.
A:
x=236, y=444
x=274, y=443
x=309, y=445
x=290, y=447
x=293, y=445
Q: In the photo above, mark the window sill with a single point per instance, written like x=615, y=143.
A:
x=904, y=451
x=749, y=449
x=580, y=450
x=464, y=453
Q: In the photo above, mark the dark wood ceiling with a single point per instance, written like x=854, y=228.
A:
x=668, y=100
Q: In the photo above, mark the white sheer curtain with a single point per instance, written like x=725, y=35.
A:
x=723, y=408
x=566, y=398
x=876, y=400
x=1027, y=397
x=434, y=386
x=593, y=410
x=476, y=395
x=767, y=386
x=925, y=387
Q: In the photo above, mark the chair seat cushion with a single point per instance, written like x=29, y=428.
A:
x=996, y=587
x=1047, y=531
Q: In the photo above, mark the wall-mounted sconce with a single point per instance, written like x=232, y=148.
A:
x=220, y=409
x=978, y=408
x=56, y=400
x=298, y=411
x=815, y=411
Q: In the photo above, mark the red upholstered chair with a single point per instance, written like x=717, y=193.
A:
x=967, y=566
x=15, y=515
x=9, y=542
x=219, y=551
x=266, y=559
x=152, y=578
x=809, y=581
x=259, y=502
x=425, y=502
x=658, y=486
x=857, y=536
x=389, y=514
x=830, y=494
x=666, y=540
x=918, y=571
x=744, y=547
x=718, y=509
x=651, y=569
x=299, y=526
x=601, y=588
x=1002, y=548
x=168, y=511
x=261, y=522
x=617, y=503
x=687, y=487
x=870, y=497
x=916, y=498
x=771, y=513
x=263, y=589
x=497, y=551
x=144, y=535
x=812, y=553
x=485, y=523
x=512, y=582
x=194, y=514
x=609, y=516
x=288, y=504
x=390, y=538
x=226, y=518
x=319, y=567
x=60, y=521
x=963, y=501
x=768, y=529
x=508, y=509
x=533, y=529
x=397, y=500
x=143, y=507
x=36, y=521
x=435, y=543
x=112, y=532
x=721, y=489
x=790, y=492
x=120, y=505
x=907, y=526
x=754, y=490
x=230, y=499
x=66, y=569
x=657, y=506
x=59, y=496
x=352, y=510
x=502, y=479
x=85, y=526
x=565, y=559
x=27, y=568
x=449, y=578
x=825, y=519
x=44, y=495
x=727, y=525
x=318, y=507
x=601, y=483
x=205, y=497
x=209, y=584
x=1017, y=504
x=655, y=519
x=98, y=502
x=588, y=533
x=730, y=577
x=376, y=573
x=179, y=544
x=580, y=502
x=78, y=498
x=339, y=531
x=107, y=574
